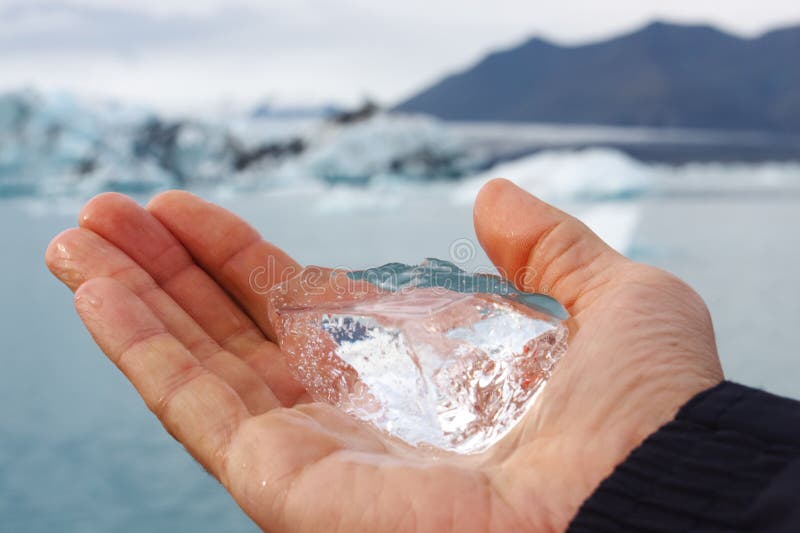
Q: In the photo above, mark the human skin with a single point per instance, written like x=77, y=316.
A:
x=166, y=293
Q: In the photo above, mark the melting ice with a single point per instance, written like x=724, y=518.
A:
x=427, y=353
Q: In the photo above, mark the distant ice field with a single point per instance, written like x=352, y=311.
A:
x=57, y=145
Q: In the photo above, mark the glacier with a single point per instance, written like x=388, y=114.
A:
x=57, y=145
x=53, y=144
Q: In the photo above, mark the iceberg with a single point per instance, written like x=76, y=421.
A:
x=590, y=174
x=409, y=147
x=57, y=144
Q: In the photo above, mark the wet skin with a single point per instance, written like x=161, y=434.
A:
x=166, y=292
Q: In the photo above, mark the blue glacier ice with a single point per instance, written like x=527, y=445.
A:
x=55, y=143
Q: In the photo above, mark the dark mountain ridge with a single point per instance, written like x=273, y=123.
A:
x=661, y=75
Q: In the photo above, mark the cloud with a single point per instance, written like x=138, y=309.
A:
x=182, y=51
x=153, y=7
x=63, y=28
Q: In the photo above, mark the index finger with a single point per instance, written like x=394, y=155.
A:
x=228, y=249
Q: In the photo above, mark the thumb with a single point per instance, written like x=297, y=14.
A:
x=541, y=248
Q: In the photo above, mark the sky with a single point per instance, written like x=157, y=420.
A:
x=188, y=53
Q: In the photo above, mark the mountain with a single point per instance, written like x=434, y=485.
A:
x=661, y=75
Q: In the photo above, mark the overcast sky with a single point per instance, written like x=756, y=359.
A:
x=184, y=53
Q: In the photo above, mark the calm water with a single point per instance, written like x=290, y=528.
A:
x=80, y=452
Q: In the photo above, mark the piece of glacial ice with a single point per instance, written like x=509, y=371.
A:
x=428, y=353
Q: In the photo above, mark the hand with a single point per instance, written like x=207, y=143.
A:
x=165, y=291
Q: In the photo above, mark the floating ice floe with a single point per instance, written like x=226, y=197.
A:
x=60, y=145
x=591, y=174
x=57, y=144
x=410, y=147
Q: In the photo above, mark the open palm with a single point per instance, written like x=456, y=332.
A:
x=167, y=292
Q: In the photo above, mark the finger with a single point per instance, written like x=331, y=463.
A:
x=541, y=248
x=78, y=255
x=229, y=249
x=194, y=405
x=136, y=232
x=128, y=226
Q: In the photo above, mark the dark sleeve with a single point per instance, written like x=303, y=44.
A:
x=729, y=461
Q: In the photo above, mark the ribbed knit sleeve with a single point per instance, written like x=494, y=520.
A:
x=729, y=461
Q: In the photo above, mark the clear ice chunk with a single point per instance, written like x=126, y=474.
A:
x=428, y=353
